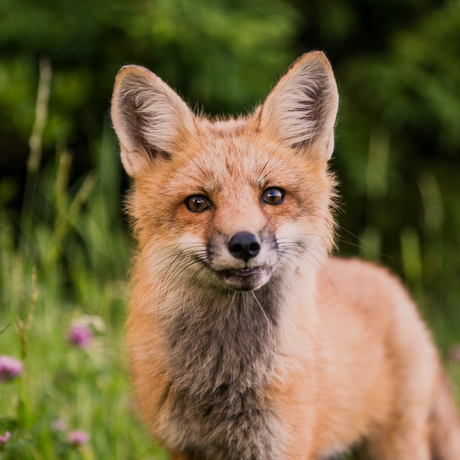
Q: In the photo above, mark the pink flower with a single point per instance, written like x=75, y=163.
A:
x=80, y=336
x=4, y=439
x=77, y=438
x=10, y=368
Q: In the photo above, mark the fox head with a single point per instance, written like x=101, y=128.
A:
x=230, y=204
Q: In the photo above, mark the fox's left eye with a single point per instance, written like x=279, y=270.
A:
x=197, y=203
x=273, y=196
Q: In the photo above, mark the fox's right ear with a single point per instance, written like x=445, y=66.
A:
x=150, y=119
x=301, y=109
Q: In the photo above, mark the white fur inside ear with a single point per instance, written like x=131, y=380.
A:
x=150, y=119
x=302, y=107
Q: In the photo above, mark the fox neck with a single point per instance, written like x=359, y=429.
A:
x=222, y=350
x=224, y=338
x=219, y=338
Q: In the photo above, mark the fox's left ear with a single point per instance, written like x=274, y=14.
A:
x=151, y=121
x=301, y=109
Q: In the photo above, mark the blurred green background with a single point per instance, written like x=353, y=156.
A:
x=397, y=63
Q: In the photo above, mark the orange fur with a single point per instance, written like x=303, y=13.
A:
x=341, y=356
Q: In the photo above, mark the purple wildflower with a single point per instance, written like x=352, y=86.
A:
x=10, y=368
x=80, y=336
x=4, y=440
x=77, y=438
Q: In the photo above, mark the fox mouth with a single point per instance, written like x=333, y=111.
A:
x=244, y=279
x=243, y=272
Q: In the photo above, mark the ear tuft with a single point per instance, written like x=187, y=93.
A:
x=301, y=110
x=150, y=119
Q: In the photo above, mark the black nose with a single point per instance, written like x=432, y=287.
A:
x=244, y=245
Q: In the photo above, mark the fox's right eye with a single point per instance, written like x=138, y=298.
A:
x=197, y=203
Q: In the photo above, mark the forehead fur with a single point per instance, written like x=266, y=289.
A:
x=233, y=153
x=226, y=127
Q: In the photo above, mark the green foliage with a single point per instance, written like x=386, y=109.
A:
x=398, y=148
x=224, y=54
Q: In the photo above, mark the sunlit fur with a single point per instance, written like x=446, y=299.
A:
x=308, y=356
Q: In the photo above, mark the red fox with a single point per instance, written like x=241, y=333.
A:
x=247, y=341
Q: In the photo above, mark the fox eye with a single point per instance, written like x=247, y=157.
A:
x=197, y=203
x=273, y=196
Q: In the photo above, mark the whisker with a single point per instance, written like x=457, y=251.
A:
x=261, y=309
x=364, y=242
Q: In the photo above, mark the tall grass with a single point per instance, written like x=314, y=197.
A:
x=67, y=263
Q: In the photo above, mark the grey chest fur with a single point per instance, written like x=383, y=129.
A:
x=221, y=359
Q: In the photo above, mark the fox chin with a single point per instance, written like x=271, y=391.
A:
x=247, y=340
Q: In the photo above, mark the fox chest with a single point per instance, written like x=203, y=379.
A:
x=217, y=407
x=222, y=425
